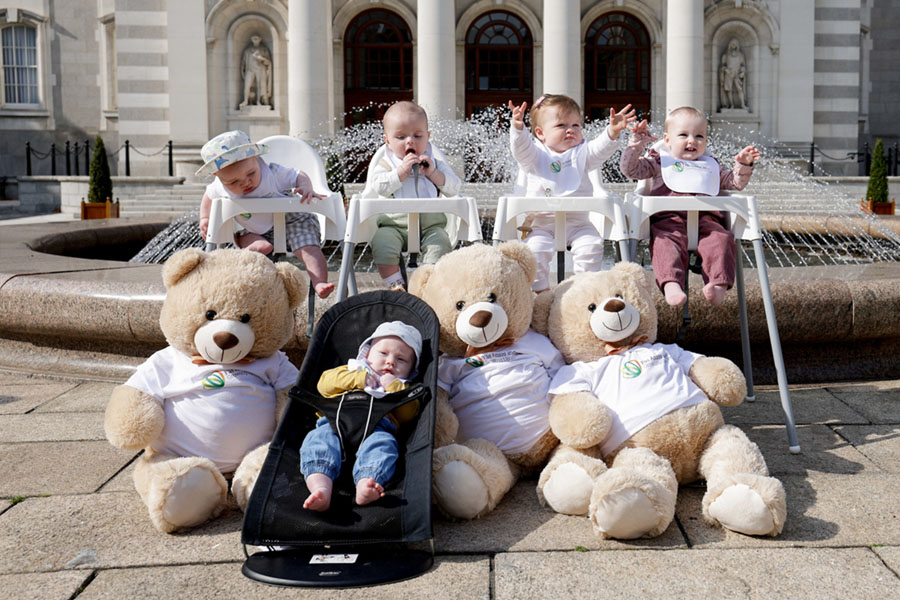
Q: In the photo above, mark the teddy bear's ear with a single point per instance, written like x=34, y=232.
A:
x=520, y=253
x=636, y=271
x=541, y=313
x=294, y=282
x=180, y=264
x=419, y=279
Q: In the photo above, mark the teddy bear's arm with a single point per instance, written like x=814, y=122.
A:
x=446, y=425
x=133, y=418
x=720, y=379
x=579, y=419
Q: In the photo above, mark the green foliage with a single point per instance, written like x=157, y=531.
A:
x=15, y=500
x=100, y=187
x=878, y=183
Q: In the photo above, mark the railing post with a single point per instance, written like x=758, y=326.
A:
x=127, y=160
x=28, y=158
x=53, y=158
x=896, y=161
x=812, y=158
x=76, y=158
x=87, y=157
x=171, y=164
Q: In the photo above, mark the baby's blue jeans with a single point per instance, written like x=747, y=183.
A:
x=376, y=458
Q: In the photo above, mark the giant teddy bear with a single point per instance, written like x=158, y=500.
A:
x=493, y=375
x=635, y=419
x=206, y=405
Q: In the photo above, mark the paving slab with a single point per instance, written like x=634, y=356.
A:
x=520, y=523
x=815, y=405
x=106, y=531
x=821, y=449
x=61, y=585
x=90, y=396
x=122, y=482
x=18, y=398
x=877, y=402
x=880, y=443
x=48, y=427
x=451, y=578
x=31, y=469
x=822, y=510
x=750, y=573
x=890, y=555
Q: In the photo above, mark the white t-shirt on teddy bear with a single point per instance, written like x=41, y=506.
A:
x=275, y=180
x=639, y=385
x=217, y=411
x=501, y=396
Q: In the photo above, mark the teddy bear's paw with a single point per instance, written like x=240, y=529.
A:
x=245, y=475
x=187, y=499
x=628, y=504
x=752, y=505
x=460, y=491
x=568, y=489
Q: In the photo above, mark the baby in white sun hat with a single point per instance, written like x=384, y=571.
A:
x=240, y=173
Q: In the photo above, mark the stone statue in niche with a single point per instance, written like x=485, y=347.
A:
x=732, y=77
x=256, y=71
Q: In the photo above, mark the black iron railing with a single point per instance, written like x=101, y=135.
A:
x=73, y=152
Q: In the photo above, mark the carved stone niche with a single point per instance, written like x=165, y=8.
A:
x=255, y=75
x=733, y=77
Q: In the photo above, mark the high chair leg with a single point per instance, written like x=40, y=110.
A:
x=311, y=310
x=745, y=329
x=346, y=273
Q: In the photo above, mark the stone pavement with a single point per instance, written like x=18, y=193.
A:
x=72, y=525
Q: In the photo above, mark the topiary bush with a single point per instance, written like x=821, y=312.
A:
x=877, y=191
x=100, y=187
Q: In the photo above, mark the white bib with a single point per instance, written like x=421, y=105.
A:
x=690, y=176
x=561, y=174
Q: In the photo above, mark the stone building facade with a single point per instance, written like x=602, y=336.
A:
x=791, y=72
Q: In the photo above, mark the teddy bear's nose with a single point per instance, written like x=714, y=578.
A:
x=225, y=340
x=614, y=305
x=480, y=319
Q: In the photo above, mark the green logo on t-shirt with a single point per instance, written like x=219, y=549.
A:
x=475, y=361
x=556, y=166
x=215, y=380
x=631, y=369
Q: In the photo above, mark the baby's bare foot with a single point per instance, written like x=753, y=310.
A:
x=714, y=293
x=319, y=492
x=675, y=296
x=368, y=490
x=323, y=289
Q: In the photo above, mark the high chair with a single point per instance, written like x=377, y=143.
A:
x=607, y=214
x=744, y=225
x=290, y=152
x=462, y=221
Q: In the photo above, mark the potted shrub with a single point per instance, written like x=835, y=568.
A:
x=99, y=204
x=876, y=200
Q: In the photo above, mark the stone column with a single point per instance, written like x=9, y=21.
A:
x=436, y=59
x=188, y=96
x=309, y=77
x=562, y=49
x=684, y=54
x=796, y=58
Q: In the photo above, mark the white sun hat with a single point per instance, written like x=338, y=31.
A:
x=227, y=148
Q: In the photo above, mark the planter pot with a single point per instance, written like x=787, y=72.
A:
x=100, y=210
x=877, y=208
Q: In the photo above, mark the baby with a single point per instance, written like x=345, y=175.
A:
x=241, y=173
x=386, y=361
x=557, y=161
x=409, y=170
x=682, y=169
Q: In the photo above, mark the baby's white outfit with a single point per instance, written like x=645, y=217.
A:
x=552, y=173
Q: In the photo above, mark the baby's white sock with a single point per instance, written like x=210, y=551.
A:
x=391, y=279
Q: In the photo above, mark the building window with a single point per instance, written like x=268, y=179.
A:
x=616, y=65
x=499, y=61
x=378, y=65
x=20, y=70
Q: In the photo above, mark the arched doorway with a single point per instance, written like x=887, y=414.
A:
x=499, y=62
x=616, y=66
x=378, y=65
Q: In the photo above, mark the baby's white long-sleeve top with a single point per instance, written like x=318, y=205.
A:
x=559, y=174
x=385, y=181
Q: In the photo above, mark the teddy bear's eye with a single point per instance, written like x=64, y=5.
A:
x=245, y=318
x=210, y=315
x=592, y=307
x=492, y=297
x=460, y=305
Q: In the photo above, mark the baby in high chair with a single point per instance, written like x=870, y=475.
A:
x=385, y=363
x=681, y=168
x=242, y=173
x=557, y=161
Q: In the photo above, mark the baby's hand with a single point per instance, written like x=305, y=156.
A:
x=304, y=189
x=427, y=165
x=641, y=132
x=386, y=379
x=406, y=165
x=518, y=115
x=748, y=156
x=372, y=380
x=618, y=121
x=204, y=226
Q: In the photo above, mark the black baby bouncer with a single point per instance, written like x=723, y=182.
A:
x=348, y=545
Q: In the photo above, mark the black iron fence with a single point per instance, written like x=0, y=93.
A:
x=863, y=158
x=73, y=158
